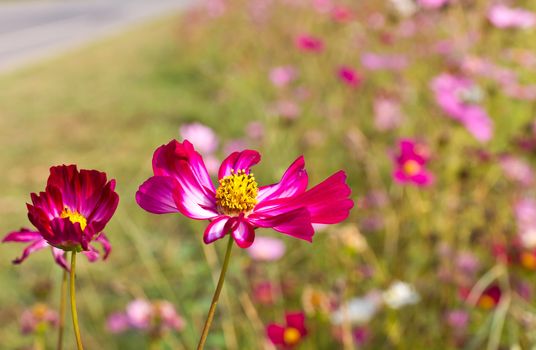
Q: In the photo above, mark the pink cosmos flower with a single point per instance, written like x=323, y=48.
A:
x=517, y=169
x=349, y=76
x=70, y=214
x=306, y=42
x=238, y=206
x=458, y=98
x=387, y=114
x=432, y=4
x=502, y=16
x=290, y=334
x=38, y=317
x=373, y=61
x=411, y=164
x=525, y=214
x=201, y=136
x=154, y=316
x=267, y=249
x=342, y=14
x=282, y=76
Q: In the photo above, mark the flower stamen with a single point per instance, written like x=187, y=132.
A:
x=74, y=217
x=291, y=336
x=237, y=193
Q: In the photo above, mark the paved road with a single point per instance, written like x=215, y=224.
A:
x=33, y=30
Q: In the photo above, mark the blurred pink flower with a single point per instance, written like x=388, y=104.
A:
x=349, y=76
x=255, y=130
x=458, y=97
x=153, y=316
x=39, y=316
x=289, y=334
x=457, y=319
x=201, y=136
x=432, y=4
x=341, y=13
x=264, y=293
x=234, y=145
x=387, y=114
x=525, y=212
x=267, y=249
x=410, y=164
x=215, y=8
x=502, y=16
x=373, y=61
x=283, y=75
x=286, y=109
x=138, y=313
x=322, y=6
x=117, y=323
x=517, y=169
x=306, y=42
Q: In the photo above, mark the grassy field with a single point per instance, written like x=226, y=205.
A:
x=108, y=106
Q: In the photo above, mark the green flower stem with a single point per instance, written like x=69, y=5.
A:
x=73, y=303
x=63, y=295
x=216, y=296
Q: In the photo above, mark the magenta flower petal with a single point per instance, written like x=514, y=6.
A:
x=105, y=243
x=156, y=195
x=33, y=247
x=24, y=235
x=296, y=320
x=59, y=258
x=238, y=161
x=293, y=182
x=328, y=202
x=243, y=233
x=294, y=222
x=169, y=159
x=276, y=334
x=216, y=229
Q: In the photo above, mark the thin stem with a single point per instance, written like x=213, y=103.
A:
x=216, y=296
x=63, y=294
x=73, y=304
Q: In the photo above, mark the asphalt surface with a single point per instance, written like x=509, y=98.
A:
x=34, y=30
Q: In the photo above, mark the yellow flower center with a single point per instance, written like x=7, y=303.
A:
x=411, y=167
x=237, y=193
x=74, y=216
x=528, y=260
x=291, y=336
x=486, y=302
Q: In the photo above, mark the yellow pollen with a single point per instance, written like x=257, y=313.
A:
x=74, y=216
x=237, y=193
x=291, y=336
x=486, y=302
x=411, y=167
x=528, y=260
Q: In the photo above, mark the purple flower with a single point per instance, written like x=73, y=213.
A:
x=458, y=97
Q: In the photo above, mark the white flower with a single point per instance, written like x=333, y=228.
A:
x=358, y=310
x=400, y=294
